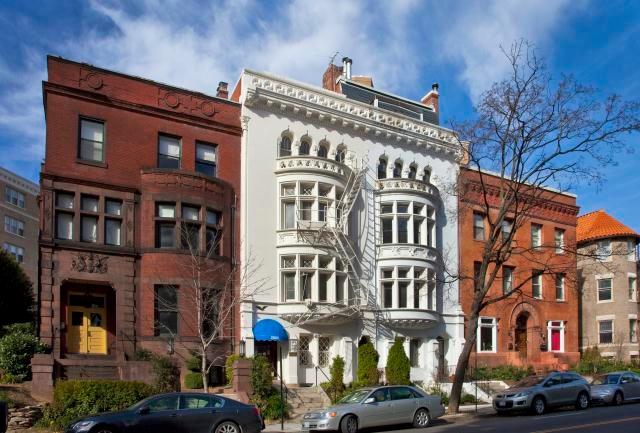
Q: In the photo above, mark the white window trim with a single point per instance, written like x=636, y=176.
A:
x=541, y=286
x=494, y=331
x=549, y=329
x=631, y=255
x=613, y=328
x=604, y=277
x=609, y=256
x=635, y=297
x=564, y=288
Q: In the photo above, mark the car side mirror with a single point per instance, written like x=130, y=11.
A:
x=623, y=381
x=370, y=400
x=144, y=410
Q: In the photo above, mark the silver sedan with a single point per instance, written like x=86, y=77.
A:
x=373, y=407
x=616, y=387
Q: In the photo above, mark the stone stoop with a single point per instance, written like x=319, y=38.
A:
x=304, y=399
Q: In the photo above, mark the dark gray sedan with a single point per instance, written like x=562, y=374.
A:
x=176, y=413
x=373, y=407
x=615, y=388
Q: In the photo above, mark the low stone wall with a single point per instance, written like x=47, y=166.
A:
x=24, y=417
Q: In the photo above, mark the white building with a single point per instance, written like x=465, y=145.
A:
x=341, y=207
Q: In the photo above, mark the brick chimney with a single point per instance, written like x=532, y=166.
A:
x=431, y=98
x=223, y=90
x=330, y=76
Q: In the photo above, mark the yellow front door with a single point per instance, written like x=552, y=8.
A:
x=87, y=329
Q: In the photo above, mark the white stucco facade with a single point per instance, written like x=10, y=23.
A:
x=376, y=270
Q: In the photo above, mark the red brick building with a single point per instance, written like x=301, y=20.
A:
x=129, y=163
x=539, y=326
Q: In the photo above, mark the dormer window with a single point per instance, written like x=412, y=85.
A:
x=397, y=169
x=285, y=146
x=412, y=171
x=305, y=147
x=323, y=150
x=382, y=168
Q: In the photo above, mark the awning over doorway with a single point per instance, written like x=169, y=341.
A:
x=269, y=330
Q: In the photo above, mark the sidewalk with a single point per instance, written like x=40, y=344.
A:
x=465, y=411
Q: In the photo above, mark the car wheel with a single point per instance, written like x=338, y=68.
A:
x=227, y=427
x=538, y=406
x=618, y=398
x=349, y=424
x=583, y=401
x=422, y=418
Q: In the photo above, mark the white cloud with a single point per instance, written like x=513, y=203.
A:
x=478, y=29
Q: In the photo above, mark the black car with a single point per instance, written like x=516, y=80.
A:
x=176, y=413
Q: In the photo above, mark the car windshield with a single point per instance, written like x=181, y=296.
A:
x=529, y=381
x=607, y=379
x=354, y=397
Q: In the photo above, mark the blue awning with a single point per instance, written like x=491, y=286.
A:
x=269, y=330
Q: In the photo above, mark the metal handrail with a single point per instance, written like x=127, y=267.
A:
x=328, y=380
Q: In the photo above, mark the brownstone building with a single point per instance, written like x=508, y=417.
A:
x=538, y=326
x=129, y=164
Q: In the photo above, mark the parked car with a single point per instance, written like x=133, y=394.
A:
x=176, y=413
x=537, y=393
x=373, y=407
x=615, y=388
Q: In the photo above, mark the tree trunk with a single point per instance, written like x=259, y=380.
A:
x=463, y=363
x=205, y=378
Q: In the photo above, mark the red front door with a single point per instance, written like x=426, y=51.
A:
x=555, y=340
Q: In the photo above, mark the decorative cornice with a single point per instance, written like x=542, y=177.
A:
x=410, y=318
x=278, y=95
x=312, y=164
x=411, y=252
x=410, y=185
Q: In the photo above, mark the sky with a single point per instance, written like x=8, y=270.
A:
x=406, y=45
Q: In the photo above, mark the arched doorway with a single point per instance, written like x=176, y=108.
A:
x=521, y=333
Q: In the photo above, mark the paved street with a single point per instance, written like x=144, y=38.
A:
x=624, y=419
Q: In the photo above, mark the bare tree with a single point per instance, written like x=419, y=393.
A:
x=533, y=133
x=211, y=290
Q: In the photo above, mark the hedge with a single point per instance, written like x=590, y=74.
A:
x=193, y=380
x=73, y=399
x=17, y=347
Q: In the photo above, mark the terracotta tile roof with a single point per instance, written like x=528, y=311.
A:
x=601, y=225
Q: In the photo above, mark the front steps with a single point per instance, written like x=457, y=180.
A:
x=304, y=399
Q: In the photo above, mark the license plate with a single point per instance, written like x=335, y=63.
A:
x=306, y=424
x=501, y=404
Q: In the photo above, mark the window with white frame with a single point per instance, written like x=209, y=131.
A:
x=407, y=223
x=559, y=241
x=633, y=287
x=536, y=284
x=507, y=226
x=507, y=279
x=13, y=197
x=631, y=250
x=304, y=352
x=308, y=201
x=285, y=146
x=13, y=225
x=536, y=236
x=605, y=293
x=320, y=278
x=407, y=287
x=555, y=335
x=91, y=140
x=64, y=215
x=487, y=334
x=633, y=330
x=605, y=332
x=603, y=250
x=478, y=226
x=560, y=279
x=16, y=251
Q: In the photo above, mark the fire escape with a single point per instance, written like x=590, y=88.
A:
x=332, y=236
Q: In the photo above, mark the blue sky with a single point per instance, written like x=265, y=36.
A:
x=404, y=44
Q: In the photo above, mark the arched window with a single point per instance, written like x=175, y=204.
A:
x=323, y=150
x=382, y=168
x=285, y=146
x=340, y=154
x=426, y=177
x=305, y=147
x=412, y=171
x=397, y=169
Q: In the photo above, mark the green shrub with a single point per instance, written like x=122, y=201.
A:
x=193, y=380
x=398, y=365
x=502, y=372
x=74, y=399
x=335, y=387
x=166, y=374
x=143, y=355
x=593, y=363
x=194, y=364
x=271, y=409
x=16, y=302
x=367, y=365
x=17, y=347
x=261, y=379
x=228, y=367
x=5, y=397
x=437, y=390
x=468, y=399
